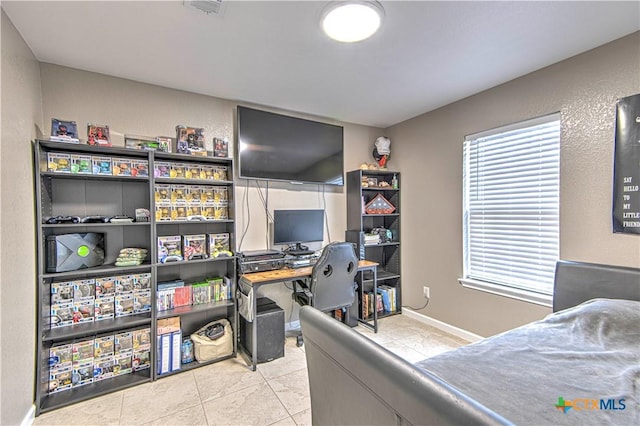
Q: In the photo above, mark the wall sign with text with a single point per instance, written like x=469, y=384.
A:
x=626, y=167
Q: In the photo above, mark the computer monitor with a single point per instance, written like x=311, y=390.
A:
x=297, y=227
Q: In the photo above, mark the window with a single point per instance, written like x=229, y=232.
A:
x=511, y=209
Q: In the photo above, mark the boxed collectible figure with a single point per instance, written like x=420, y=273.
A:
x=190, y=140
x=206, y=171
x=192, y=171
x=103, y=368
x=221, y=147
x=61, y=314
x=220, y=213
x=60, y=380
x=84, y=289
x=208, y=194
x=162, y=194
x=82, y=350
x=103, y=345
x=194, y=195
x=123, y=342
x=141, y=360
x=105, y=308
x=164, y=143
x=141, y=301
x=169, y=248
x=81, y=164
x=123, y=305
x=194, y=212
x=178, y=194
x=142, y=281
x=194, y=247
x=162, y=169
x=105, y=286
x=121, y=166
x=83, y=310
x=177, y=170
x=140, y=168
x=163, y=213
x=61, y=292
x=101, y=165
x=82, y=373
x=220, y=172
x=125, y=284
x=221, y=196
x=60, y=356
x=141, y=339
x=122, y=363
x=58, y=162
x=179, y=211
x=140, y=142
x=64, y=131
x=219, y=245
x=98, y=134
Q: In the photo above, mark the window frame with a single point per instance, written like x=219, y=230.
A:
x=544, y=298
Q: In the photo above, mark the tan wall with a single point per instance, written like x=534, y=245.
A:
x=21, y=115
x=428, y=152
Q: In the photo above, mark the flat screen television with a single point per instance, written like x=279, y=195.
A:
x=279, y=147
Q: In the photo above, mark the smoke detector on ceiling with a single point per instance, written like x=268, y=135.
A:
x=206, y=6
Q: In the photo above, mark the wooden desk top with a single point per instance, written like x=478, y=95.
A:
x=287, y=274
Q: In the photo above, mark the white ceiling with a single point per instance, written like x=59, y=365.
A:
x=427, y=54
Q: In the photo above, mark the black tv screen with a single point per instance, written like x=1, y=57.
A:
x=279, y=147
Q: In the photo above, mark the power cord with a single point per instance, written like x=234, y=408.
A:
x=326, y=216
x=417, y=309
x=245, y=203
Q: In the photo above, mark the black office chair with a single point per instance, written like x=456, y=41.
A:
x=332, y=285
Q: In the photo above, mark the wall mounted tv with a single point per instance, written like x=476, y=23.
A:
x=279, y=147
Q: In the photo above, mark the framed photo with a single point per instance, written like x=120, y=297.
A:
x=98, y=134
x=64, y=131
x=372, y=182
x=190, y=140
x=220, y=148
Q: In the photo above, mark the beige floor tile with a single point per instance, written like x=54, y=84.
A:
x=285, y=422
x=193, y=416
x=303, y=418
x=104, y=410
x=161, y=398
x=293, y=391
x=225, y=377
x=257, y=405
x=293, y=360
x=403, y=351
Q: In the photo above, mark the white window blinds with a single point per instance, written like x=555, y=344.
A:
x=511, y=205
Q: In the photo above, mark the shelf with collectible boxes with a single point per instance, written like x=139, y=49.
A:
x=189, y=198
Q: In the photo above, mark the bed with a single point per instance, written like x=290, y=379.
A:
x=580, y=365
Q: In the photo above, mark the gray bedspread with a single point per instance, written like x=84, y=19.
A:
x=583, y=354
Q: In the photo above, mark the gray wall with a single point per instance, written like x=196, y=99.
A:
x=21, y=114
x=428, y=151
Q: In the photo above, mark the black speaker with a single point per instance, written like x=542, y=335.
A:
x=270, y=322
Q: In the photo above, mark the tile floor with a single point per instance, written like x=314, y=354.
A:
x=228, y=393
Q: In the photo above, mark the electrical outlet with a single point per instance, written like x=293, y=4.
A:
x=425, y=292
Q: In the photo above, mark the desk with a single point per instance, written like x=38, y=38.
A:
x=255, y=280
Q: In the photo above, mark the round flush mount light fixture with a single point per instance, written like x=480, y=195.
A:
x=352, y=21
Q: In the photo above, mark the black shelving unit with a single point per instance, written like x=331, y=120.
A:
x=75, y=194
x=386, y=253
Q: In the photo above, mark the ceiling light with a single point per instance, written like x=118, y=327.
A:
x=351, y=21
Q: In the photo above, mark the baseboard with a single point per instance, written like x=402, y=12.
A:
x=459, y=332
x=29, y=417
